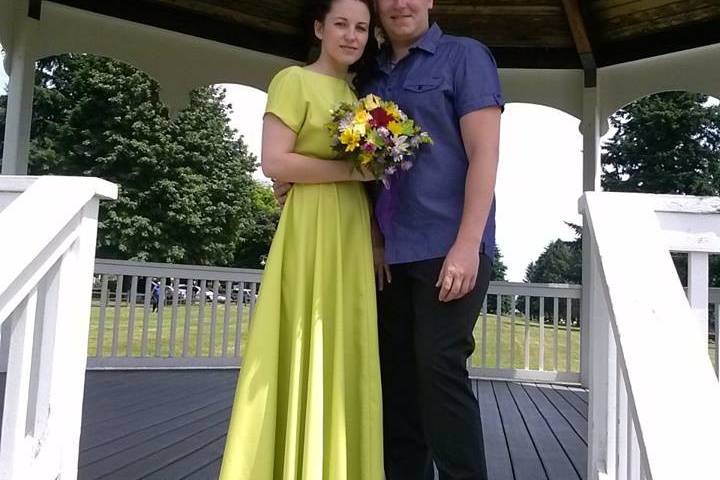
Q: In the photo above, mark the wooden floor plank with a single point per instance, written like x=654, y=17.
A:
x=525, y=460
x=497, y=456
x=207, y=453
x=211, y=471
x=555, y=461
x=581, y=393
x=570, y=442
x=182, y=420
x=162, y=455
x=172, y=424
x=118, y=404
x=162, y=412
x=572, y=398
x=578, y=422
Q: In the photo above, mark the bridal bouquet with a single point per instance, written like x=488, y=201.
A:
x=375, y=134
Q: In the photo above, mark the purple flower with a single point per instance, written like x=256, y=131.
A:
x=384, y=133
x=368, y=147
x=406, y=165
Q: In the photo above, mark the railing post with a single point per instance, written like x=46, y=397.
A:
x=698, y=293
x=15, y=451
x=74, y=304
x=602, y=371
x=585, y=310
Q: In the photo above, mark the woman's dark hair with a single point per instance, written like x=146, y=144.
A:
x=319, y=11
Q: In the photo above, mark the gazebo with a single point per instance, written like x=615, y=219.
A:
x=585, y=58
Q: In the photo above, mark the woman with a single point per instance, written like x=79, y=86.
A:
x=308, y=402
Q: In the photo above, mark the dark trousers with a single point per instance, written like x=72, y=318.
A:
x=429, y=410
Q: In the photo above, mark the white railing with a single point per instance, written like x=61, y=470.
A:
x=200, y=320
x=203, y=318
x=47, y=243
x=531, y=333
x=653, y=391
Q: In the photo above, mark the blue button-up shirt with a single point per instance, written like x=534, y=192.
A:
x=440, y=80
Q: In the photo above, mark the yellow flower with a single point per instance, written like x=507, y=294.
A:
x=372, y=102
x=359, y=128
x=393, y=110
x=395, y=128
x=362, y=116
x=350, y=139
x=365, y=158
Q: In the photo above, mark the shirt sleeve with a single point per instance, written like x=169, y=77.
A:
x=476, y=82
x=285, y=98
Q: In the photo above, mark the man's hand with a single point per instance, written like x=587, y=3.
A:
x=280, y=191
x=459, y=272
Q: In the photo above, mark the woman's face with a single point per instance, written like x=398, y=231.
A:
x=344, y=32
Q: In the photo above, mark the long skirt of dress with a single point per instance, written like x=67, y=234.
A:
x=308, y=401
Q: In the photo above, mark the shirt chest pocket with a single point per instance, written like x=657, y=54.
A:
x=423, y=85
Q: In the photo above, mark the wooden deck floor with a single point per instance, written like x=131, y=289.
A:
x=171, y=425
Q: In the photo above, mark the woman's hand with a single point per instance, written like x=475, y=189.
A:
x=281, y=191
x=362, y=174
x=382, y=269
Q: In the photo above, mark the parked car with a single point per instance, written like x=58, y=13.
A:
x=209, y=294
x=246, y=294
x=183, y=292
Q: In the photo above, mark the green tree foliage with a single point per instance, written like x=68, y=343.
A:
x=666, y=143
x=498, y=272
x=186, y=191
x=254, y=241
x=560, y=262
x=499, y=269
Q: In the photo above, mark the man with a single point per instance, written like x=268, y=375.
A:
x=438, y=225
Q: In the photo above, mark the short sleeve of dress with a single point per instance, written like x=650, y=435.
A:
x=285, y=98
x=477, y=84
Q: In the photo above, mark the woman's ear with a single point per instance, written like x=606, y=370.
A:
x=318, y=30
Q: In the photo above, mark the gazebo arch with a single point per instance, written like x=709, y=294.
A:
x=575, y=63
x=585, y=58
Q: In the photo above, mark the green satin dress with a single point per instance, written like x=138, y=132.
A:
x=308, y=401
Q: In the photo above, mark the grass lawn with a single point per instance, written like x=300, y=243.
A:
x=507, y=341
x=517, y=344
x=194, y=311
x=194, y=324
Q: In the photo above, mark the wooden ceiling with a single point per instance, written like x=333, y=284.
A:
x=521, y=33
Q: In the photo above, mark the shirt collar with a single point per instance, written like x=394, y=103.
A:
x=428, y=42
x=430, y=39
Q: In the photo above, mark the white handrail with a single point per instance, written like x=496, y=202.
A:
x=653, y=391
x=37, y=223
x=47, y=246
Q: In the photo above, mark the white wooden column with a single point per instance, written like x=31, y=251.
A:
x=590, y=127
x=20, y=97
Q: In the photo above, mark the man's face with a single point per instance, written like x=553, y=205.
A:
x=404, y=20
